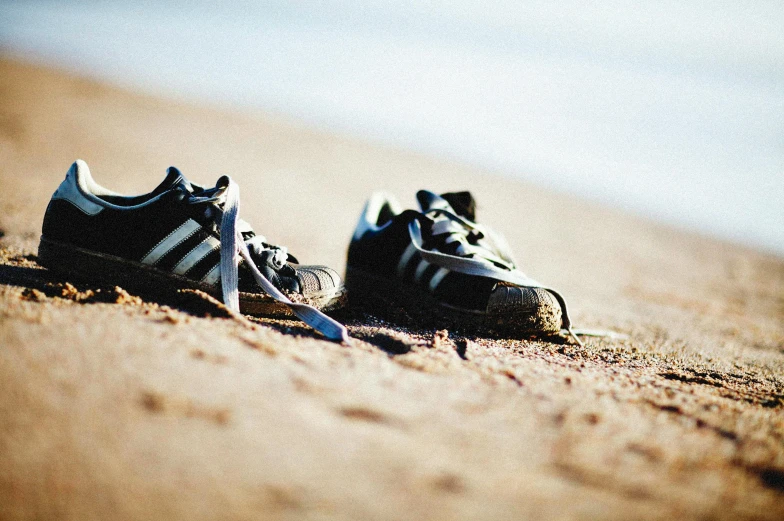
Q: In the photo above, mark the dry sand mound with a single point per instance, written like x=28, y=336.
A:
x=116, y=406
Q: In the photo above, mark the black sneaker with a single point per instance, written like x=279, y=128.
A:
x=185, y=236
x=442, y=268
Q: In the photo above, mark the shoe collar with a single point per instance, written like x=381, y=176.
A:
x=79, y=177
x=377, y=214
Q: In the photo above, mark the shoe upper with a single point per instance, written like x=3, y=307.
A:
x=174, y=228
x=383, y=245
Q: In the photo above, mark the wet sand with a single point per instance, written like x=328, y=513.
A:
x=120, y=406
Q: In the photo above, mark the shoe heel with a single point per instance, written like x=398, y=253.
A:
x=60, y=258
x=73, y=262
x=388, y=298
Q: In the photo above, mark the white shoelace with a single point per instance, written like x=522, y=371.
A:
x=484, y=260
x=457, y=232
x=233, y=248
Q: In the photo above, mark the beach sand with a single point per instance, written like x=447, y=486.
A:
x=118, y=407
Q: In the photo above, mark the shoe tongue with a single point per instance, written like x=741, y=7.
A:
x=173, y=178
x=430, y=201
x=461, y=203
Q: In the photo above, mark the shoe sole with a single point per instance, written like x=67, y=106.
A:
x=388, y=297
x=88, y=265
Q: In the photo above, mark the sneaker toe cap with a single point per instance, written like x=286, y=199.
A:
x=533, y=308
x=316, y=280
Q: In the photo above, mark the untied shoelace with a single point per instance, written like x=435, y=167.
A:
x=233, y=248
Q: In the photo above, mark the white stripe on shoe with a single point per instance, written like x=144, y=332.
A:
x=192, y=258
x=437, y=278
x=181, y=233
x=212, y=278
x=420, y=270
x=405, y=258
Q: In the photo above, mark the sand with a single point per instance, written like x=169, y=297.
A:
x=116, y=406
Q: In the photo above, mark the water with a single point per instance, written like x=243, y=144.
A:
x=674, y=111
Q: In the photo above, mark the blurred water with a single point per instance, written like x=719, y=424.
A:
x=673, y=110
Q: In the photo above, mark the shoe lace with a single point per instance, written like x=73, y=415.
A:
x=478, y=251
x=237, y=239
x=468, y=239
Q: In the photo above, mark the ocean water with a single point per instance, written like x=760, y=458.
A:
x=673, y=110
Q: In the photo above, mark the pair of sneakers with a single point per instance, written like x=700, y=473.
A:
x=437, y=264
